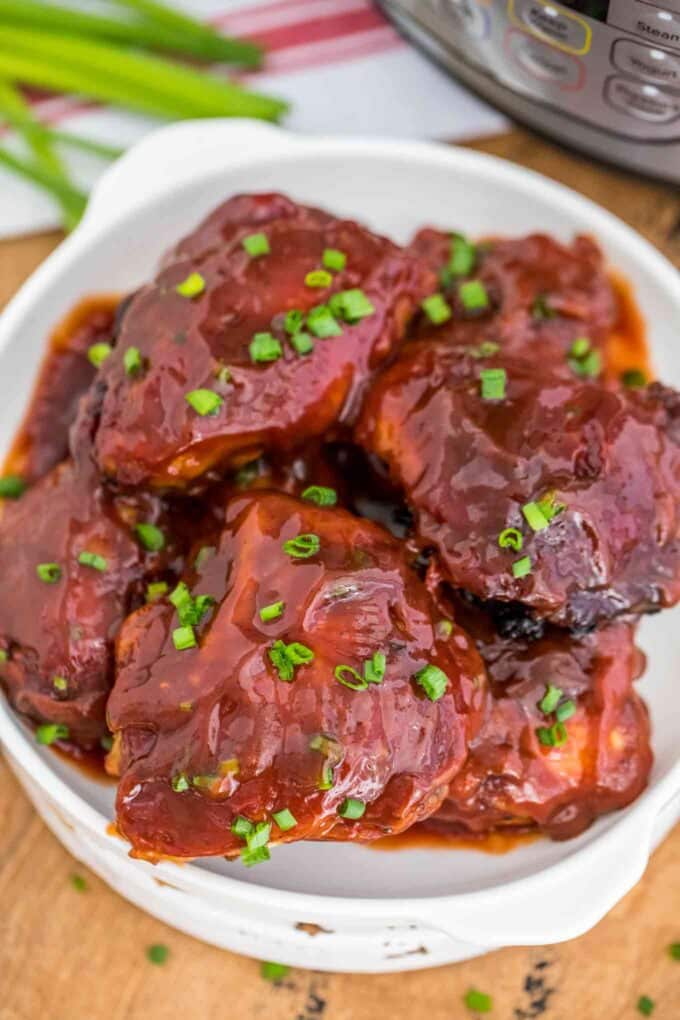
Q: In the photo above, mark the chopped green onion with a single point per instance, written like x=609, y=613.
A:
x=320, y=495
x=322, y=323
x=192, y=286
x=478, y=1002
x=550, y=507
x=540, y=309
x=156, y=590
x=274, y=971
x=550, y=699
x=493, y=382
x=98, y=353
x=552, y=736
x=60, y=683
x=12, y=487
x=351, y=305
x=444, y=629
x=4, y=655
x=318, y=278
x=259, y=835
x=437, y=309
x=184, y=638
x=285, y=819
x=565, y=710
x=242, y=827
x=645, y=1005
x=433, y=681
x=132, y=361
x=352, y=809
x=521, y=567
x=265, y=347
x=534, y=517
x=511, y=538
x=272, y=612
x=49, y=733
x=327, y=778
x=180, y=783
x=580, y=347
x=674, y=950
x=203, y=554
x=357, y=681
x=157, y=954
x=294, y=321
x=94, y=560
x=204, y=402
x=257, y=856
x=463, y=256
x=302, y=547
x=374, y=668
x=190, y=610
x=106, y=742
x=79, y=883
x=256, y=245
x=151, y=537
x=285, y=658
x=486, y=349
x=302, y=343
x=334, y=260
x=634, y=378
x=473, y=295
x=50, y=573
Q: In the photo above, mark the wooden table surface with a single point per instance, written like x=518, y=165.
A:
x=70, y=955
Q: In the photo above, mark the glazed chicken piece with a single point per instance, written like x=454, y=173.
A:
x=530, y=295
x=528, y=769
x=260, y=332
x=66, y=374
x=72, y=562
x=534, y=487
x=294, y=686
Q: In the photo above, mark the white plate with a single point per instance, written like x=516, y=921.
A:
x=380, y=911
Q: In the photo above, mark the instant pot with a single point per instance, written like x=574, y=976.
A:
x=601, y=75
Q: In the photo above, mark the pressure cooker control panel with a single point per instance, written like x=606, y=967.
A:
x=612, y=63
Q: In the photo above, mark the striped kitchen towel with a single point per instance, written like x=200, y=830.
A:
x=340, y=63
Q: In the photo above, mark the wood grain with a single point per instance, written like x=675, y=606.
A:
x=69, y=955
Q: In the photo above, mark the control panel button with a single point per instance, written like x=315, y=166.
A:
x=552, y=23
x=468, y=16
x=646, y=62
x=544, y=62
x=657, y=25
x=645, y=102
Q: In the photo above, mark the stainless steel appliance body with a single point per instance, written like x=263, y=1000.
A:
x=601, y=75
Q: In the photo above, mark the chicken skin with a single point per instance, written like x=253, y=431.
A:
x=537, y=296
x=526, y=769
x=294, y=686
x=72, y=562
x=532, y=486
x=260, y=332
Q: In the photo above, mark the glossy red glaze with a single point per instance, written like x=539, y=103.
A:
x=510, y=779
x=66, y=629
x=188, y=712
x=146, y=431
x=468, y=466
x=65, y=375
x=570, y=284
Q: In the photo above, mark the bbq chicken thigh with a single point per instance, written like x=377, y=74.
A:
x=296, y=685
x=531, y=295
x=565, y=739
x=73, y=560
x=534, y=486
x=260, y=332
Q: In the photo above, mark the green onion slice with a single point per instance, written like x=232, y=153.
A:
x=303, y=546
x=151, y=537
x=49, y=733
x=98, y=353
x=272, y=612
x=511, y=538
x=256, y=245
x=521, y=567
x=321, y=495
x=285, y=819
x=535, y=517
x=94, y=560
x=351, y=306
x=433, y=681
x=12, y=487
x=493, y=381
x=204, y=402
x=473, y=296
x=349, y=677
x=318, y=278
x=132, y=361
x=352, y=809
x=184, y=638
x=50, y=573
x=192, y=286
x=437, y=309
x=550, y=699
x=322, y=322
x=334, y=260
x=264, y=347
